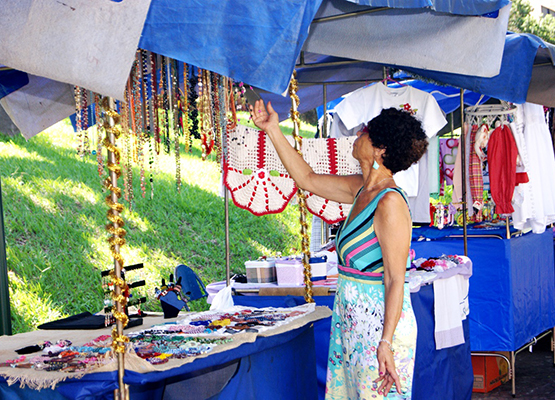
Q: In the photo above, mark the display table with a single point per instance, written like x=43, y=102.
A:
x=512, y=288
x=271, y=365
x=439, y=374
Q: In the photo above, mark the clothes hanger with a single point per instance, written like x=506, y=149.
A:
x=388, y=78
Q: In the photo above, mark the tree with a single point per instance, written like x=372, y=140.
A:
x=521, y=21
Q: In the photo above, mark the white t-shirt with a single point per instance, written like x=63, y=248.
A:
x=362, y=105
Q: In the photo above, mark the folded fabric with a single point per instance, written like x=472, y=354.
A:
x=450, y=304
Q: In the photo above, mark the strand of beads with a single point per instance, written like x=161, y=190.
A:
x=99, y=133
x=193, y=111
x=184, y=110
x=85, y=121
x=78, y=120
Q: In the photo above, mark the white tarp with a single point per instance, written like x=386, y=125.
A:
x=82, y=42
x=432, y=41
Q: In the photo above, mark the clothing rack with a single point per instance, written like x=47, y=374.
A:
x=490, y=114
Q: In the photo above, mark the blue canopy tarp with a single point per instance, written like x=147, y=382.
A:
x=258, y=42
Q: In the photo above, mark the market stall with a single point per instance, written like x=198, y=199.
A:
x=307, y=10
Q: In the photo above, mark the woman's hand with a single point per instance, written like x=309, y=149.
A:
x=263, y=119
x=388, y=374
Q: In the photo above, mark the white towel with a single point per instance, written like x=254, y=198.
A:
x=450, y=308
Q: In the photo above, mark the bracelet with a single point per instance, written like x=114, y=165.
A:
x=388, y=344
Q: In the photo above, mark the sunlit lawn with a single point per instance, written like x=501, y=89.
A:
x=55, y=217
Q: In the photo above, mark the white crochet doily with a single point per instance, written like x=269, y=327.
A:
x=254, y=174
x=258, y=182
x=329, y=156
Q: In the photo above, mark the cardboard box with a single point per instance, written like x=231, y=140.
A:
x=489, y=372
x=290, y=271
x=261, y=271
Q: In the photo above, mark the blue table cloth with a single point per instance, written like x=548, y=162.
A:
x=439, y=374
x=512, y=287
x=269, y=368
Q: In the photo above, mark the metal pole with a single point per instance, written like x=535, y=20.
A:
x=463, y=162
x=349, y=15
x=325, y=125
x=324, y=225
x=5, y=312
x=227, y=267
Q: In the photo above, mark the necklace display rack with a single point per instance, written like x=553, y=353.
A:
x=108, y=303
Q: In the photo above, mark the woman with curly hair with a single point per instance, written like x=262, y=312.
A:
x=373, y=332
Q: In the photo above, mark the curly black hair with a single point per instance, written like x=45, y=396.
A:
x=402, y=137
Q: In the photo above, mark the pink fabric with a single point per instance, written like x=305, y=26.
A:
x=356, y=271
x=359, y=249
x=448, y=149
x=502, y=154
x=476, y=178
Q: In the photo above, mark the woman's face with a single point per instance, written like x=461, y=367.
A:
x=362, y=147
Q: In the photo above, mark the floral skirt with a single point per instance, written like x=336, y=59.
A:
x=356, y=328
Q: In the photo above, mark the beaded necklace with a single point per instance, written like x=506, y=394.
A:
x=166, y=97
x=216, y=117
x=85, y=121
x=78, y=120
x=99, y=136
x=146, y=113
x=176, y=123
x=184, y=110
x=154, y=118
x=207, y=141
x=193, y=107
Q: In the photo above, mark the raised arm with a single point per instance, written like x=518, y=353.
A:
x=333, y=187
x=393, y=229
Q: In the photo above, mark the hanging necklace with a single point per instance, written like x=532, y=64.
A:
x=376, y=184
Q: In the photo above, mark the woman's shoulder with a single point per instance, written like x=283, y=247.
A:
x=392, y=199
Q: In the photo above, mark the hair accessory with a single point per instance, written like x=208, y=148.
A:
x=375, y=165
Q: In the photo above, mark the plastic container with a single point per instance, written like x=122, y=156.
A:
x=261, y=271
x=289, y=271
x=319, y=267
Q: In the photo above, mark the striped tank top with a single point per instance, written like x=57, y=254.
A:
x=358, y=249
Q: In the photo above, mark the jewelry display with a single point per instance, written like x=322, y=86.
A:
x=99, y=134
x=193, y=111
x=305, y=238
x=115, y=227
x=161, y=107
x=78, y=119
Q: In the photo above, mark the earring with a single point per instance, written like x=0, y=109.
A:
x=375, y=165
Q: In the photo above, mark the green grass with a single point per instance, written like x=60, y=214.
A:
x=55, y=214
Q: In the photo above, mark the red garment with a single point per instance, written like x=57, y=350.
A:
x=502, y=154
